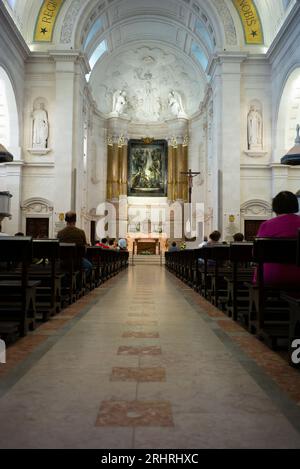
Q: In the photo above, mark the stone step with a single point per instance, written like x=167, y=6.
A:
x=147, y=260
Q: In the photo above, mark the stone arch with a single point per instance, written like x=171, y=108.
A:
x=255, y=209
x=37, y=207
x=9, y=116
x=288, y=115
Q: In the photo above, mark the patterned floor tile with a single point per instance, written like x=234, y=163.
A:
x=135, y=414
x=139, y=351
x=142, y=323
x=139, y=315
x=142, y=375
x=140, y=335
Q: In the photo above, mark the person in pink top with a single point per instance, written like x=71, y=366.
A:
x=286, y=224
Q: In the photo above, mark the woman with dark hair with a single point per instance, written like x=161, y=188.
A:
x=286, y=224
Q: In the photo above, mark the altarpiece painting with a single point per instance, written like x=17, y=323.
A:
x=147, y=168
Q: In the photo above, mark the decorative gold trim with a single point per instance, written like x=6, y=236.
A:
x=147, y=140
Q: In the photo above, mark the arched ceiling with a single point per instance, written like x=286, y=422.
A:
x=222, y=13
x=149, y=47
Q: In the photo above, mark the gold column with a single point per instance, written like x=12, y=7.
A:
x=185, y=165
x=123, y=169
x=180, y=169
x=109, y=190
x=171, y=179
x=175, y=171
x=115, y=171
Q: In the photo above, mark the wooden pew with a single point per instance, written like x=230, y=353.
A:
x=93, y=254
x=17, y=295
x=203, y=271
x=268, y=312
x=293, y=300
x=211, y=271
x=71, y=265
x=49, y=291
x=219, y=256
x=240, y=258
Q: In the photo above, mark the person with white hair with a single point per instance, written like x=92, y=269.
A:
x=122, y=244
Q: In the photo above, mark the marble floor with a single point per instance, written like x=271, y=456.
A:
x=144, y=362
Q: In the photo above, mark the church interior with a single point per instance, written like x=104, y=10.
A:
x=149, y=224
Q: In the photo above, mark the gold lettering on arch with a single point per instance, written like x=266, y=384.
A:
x=46, y=20
x=250, y=20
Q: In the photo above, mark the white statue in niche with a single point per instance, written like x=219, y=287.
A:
x=119, y=102
x=40, y=132
x=255, y=129
x=175, y=104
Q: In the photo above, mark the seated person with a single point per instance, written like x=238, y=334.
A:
x=174, y=247
x=72, y=234
x=122, y=245
x=111, y=244
x=238, y=238
x=286, y=224
x=214, y=239
x=103, y=244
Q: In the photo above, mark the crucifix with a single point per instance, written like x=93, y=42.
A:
x=191, y=174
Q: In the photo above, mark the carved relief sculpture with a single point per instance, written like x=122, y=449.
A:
x=40, y=128
x=255, y=129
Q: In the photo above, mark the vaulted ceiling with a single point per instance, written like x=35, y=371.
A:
x=149, y=46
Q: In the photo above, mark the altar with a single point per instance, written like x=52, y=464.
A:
x=149, y=245
x=141, y=243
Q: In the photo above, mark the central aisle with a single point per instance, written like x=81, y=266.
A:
x=141, y=368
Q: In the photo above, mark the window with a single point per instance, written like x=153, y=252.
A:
x=199, y=55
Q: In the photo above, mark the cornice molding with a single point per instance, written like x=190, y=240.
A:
x=223, y=58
